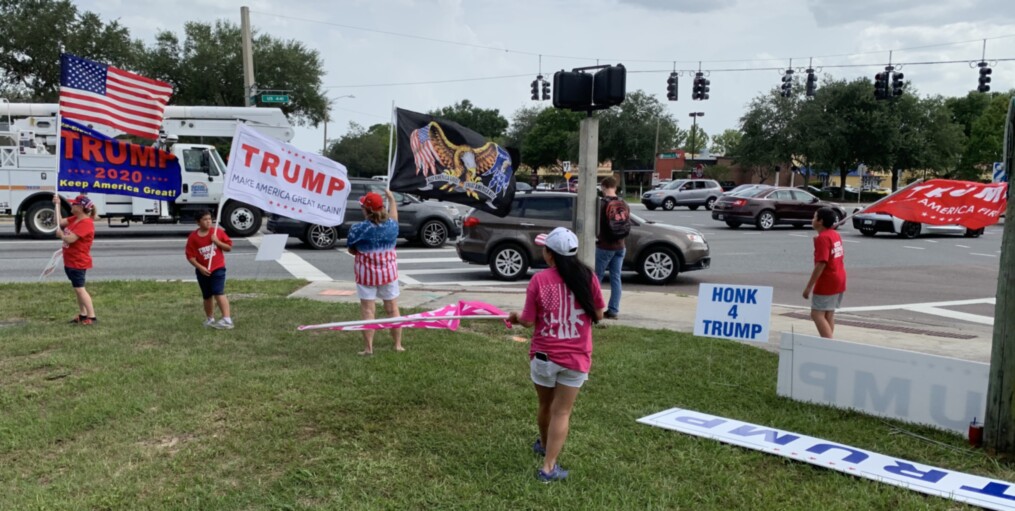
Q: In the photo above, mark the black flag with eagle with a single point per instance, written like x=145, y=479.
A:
x=439, y=159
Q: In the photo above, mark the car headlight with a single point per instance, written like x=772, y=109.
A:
x=696, y=238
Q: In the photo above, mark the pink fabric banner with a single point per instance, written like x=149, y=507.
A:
x=446, y=318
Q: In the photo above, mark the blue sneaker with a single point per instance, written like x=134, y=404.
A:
x=557, y=474
x=538, y=448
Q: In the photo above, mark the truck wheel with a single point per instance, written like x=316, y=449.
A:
x=41, y=219
x=241, y=220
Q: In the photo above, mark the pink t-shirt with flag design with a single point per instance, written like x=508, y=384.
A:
x=562, y=329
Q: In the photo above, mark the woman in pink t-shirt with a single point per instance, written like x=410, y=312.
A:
x=562, y=303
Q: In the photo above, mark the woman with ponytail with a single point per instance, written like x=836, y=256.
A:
x=562, y=303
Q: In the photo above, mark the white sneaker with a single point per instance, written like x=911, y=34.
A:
x=222, y=325
x=210, y=322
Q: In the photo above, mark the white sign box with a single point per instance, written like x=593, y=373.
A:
x=976, y=490
x=729, y=311
x=914, y=387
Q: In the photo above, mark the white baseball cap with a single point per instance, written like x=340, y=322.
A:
x=560, y=240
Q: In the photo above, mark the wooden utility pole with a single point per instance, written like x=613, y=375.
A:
x=248, y=57
x=999, y=424
x=587, y=207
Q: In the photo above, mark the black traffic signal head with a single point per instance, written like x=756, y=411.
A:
x=812, y=82
x=572, y=90
x=535, y=88
x=897, y=84
x=881, y=85
x=985, y=72
x=671, y=87
x=697, y=86
x=546, y=90
x=787, y=84
x=609, y=86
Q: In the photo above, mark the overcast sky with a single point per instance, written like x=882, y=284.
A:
x=727, y=36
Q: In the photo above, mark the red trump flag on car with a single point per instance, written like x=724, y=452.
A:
x=946, y=202
x=281, y=178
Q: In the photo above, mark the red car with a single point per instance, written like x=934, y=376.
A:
x=767, y=206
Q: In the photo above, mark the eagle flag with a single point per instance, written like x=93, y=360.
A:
x=943, y=202
x=440, y=159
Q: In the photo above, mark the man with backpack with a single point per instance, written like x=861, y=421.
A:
x=614, y=226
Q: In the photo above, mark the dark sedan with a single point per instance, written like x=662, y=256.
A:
x=767, y=206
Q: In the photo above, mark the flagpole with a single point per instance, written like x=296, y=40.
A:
x=398, y=320
x=879, y=201
x=391, y=138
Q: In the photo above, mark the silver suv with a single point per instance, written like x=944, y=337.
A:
x=684, y=192
x=431, y=223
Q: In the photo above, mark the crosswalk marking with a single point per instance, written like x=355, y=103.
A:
x=429, y=260
x=947, y=313
x=296, y=265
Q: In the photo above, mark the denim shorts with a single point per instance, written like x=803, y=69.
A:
x=76, y=276
x=826, y=302
x=548, y=374
x=212, y=285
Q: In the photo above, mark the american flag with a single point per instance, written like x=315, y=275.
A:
x=99, y=94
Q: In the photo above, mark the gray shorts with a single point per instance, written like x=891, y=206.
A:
x=548, y=374
x=826, y=302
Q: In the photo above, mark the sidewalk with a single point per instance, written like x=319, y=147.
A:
x=676, y=312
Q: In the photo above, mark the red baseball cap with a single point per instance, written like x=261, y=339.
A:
x=83, y=201
x=372, y=201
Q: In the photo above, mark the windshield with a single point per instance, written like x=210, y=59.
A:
x=219, y=167
x=674, y=184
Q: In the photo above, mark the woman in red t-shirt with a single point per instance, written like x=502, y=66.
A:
x=77, y=233
x=562, y=303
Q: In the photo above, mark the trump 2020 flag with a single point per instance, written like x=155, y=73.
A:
x=95, y=93
x=93, y=162
x=283, y=179
x=943, y=202
x=439, y=159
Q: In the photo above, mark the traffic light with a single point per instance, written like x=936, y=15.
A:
x=699, y=89
x=671, y=87
x=984, y=77
x=787, y=84
x=812, y=83
x=535, y=88
x=546, y=89
x=881, y=86
x=897, y=84
x=609, y=86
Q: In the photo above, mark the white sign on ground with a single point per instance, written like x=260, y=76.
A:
x=729, y=311
x=976, y=490
x=926, y=389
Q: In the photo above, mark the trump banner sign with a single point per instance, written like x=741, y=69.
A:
x=945, y=202
x=282, y=179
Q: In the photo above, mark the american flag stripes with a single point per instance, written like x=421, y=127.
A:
x=95, y=93
x=376, y=268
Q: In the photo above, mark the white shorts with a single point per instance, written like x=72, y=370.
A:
x=388, y=291
x=548, y=374
x=826, y=302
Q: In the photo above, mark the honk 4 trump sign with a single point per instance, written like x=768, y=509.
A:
x=729, y=311
x=976, y=490
x=280, y=178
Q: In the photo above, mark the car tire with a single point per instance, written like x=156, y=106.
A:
x=765, y=220
x=973, y=233
x=433, y=234
x=658, y=265
x=868, y=231
x=320, y=237
x=241, y=220
x=692, y=208
x=733, y=225
x=710, y=202
x=909, y=230
x=41, y=219
x=669, y=204
x=509, y=262
x=650, y=207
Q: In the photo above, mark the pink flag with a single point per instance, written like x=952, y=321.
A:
x=445, y=318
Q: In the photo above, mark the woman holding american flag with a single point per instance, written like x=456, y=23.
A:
x=372, y=242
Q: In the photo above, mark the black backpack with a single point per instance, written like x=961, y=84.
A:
x=616, y=221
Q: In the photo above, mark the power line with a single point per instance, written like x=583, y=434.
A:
x=572, y=57
x=453, y=80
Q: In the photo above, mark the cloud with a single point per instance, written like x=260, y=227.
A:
x=829, y=13
x=689, y=6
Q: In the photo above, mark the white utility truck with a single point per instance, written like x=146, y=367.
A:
x=28, y=167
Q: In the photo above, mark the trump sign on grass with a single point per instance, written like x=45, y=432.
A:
x=283, y=179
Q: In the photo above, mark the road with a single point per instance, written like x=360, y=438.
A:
x=889, y=278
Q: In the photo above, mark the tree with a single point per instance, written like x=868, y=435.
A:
x=986, y=137
x=32, y=33
x=487, y=122
x=552, y=138
x=627, y=133
x=696, y=140
x=363, y=151
x=768, y=137
x=725, y=143
x=207, y=69
x=521, y=123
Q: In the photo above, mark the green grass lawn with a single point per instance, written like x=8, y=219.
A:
x=148, y=410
